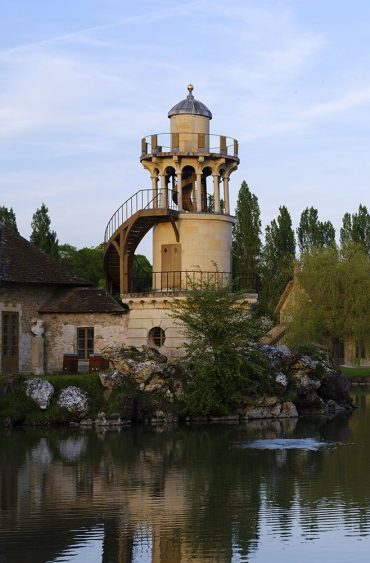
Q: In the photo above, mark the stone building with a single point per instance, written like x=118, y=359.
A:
x=47, y=311
x=188, y=209
x=349, y=352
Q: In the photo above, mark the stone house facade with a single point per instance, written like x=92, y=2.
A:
x=47, y=311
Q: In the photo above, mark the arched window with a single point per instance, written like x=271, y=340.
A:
x=156, y=336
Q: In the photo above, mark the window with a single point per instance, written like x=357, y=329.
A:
x=156, y=336
x=85, y=342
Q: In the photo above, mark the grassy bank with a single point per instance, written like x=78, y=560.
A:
x=15, y=405
x=355, y=372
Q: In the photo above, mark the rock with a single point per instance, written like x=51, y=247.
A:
x=87, y=422
x=155, y=384
x=335, y=407
x=304, y=381
x=142, y=372
x=73, y=399
x=278, y=355
x=122, y=359
x=335, y=387
x=253, y=412
x=153, y=354
x=39, y=391
x=263, y=401
x=227, y=419
x=101, y=419
x=276, y=410
x=160, y=416
x=112, y=380
x=308, y=402
x=281, y=379
x=305, y=364
x=288, y=410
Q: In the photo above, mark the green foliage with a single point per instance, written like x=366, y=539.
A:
x=246, y=232
x=142, y=273
x=87, y=262
x=313, y=233
x=42, y=236
x=356, y=228
x=277, y=260
x=222, y=363
x=334, y=304
x=7, y=217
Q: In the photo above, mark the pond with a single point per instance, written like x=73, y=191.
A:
x=282, y=491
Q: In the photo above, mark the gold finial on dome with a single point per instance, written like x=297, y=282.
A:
x=190, y=87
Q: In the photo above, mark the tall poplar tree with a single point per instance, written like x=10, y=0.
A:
x=312, y=233
x=277, y=260
x=246, y=232
x=356, y=228
x=7, y=217
x=42, y=236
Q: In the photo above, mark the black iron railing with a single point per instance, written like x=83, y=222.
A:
x=178, y=281
x=148, y=199
x=142, y=199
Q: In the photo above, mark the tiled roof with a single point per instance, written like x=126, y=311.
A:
x=82, y=300
x=22, y=262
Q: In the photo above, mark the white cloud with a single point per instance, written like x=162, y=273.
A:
x=73, y=107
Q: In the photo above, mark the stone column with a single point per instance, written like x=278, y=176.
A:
x=179, y=190
x=226, y=195
x=164, y=192
x=154, y=191
x=216, y=191
x=199, y=192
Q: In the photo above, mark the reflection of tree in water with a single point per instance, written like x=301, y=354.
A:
x=194, y=491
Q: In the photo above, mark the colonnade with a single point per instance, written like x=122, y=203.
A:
x=198, y=182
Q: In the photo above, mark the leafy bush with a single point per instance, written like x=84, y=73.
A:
x=221, y=364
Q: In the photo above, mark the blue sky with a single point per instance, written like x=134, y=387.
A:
x=82, y=81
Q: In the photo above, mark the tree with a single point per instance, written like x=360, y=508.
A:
x=246, y=232
x=87, y=262
x=313, y=233
x=356, y=228
x=222, y=363
x=277, y=260
x=334, y=304
x=41, y=235
x=7, y=217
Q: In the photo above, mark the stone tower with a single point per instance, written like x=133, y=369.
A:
x=191, y=168
x=188, y=208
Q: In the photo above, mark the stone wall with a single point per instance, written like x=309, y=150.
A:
x=61, y=334
x=24, y=299
x=149, y=312
x=206, y=241
x=154, y=310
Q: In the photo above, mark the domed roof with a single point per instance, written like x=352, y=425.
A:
x=191, y=106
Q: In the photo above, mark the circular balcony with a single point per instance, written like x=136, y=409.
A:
x=189, y=144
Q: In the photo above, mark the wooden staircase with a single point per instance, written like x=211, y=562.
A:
x=125, y=230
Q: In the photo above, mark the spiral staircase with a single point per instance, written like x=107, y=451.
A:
x=125, y=230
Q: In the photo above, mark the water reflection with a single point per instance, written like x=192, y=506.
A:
x=187, y=494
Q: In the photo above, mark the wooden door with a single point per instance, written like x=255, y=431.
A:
x=171, y=266
x=10, y=343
